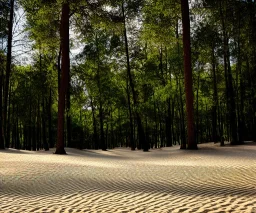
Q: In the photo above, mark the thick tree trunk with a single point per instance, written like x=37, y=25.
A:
x=65, y=66
x=188, y=74
x=8, y=70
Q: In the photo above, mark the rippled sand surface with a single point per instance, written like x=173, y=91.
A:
x=211, y=179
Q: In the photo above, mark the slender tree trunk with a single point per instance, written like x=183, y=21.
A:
x=46, y=146
x=241, y=120
x=231, y=106
x=8, y=70
x=132, y=144
x=59, y=68
x=50, y=141
x=215, y=97
x=2, y=145
x=69, y=125
x=65, y=66
x=95, y=134
x=182, y=119
x=142, y=138
x=17, y=129
x=102, y=135
x=36, y=143
x=98, y=76
x=188, y=74
x=197, y=107
x=168, y=124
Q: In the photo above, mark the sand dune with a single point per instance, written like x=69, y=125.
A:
x=211, y=179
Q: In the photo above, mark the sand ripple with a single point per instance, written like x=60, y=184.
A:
x=211, y=179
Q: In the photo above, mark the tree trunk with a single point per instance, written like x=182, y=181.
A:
x=231, y=106
x=197, y=107
x=95, y=134
x=188, y=74
x=168, y=124
x=142, y=138
x=69, y=126
x=65, y=66
x=8, y=70
x=50, y=141
x=2, y=146
x=132, y=144
x=46, y=146
x=215, y=97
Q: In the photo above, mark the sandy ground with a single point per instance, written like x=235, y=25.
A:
x=211, y=179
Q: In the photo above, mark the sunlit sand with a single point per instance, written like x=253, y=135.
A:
x=211, y=179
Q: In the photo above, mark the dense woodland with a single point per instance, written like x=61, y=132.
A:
x=130, y=84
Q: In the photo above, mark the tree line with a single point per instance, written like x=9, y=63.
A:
x=148, y=74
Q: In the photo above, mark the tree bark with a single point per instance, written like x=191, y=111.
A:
x=8, y=70
x=95, y=133
x=65, y=66
x=2, y=146
x=69, y=126
x=188, y=74
x=50, y=142
x=142, y=138
x=215, y=97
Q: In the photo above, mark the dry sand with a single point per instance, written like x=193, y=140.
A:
x=211, y=179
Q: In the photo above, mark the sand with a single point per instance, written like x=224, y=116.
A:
x=211, y=179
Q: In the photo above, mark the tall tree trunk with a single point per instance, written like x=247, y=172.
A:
x=98, y=76
x=132, y=144
x=197, y=107
x=142, y=138
x=8, y=128
x=69, y=126
x=44, y=137
x=37, y=142
x=168, y=124
x=231, y=106
x=215, y=97
x=2, y=146
x=65, y=66
x=50, y=141
x=8, y=70
x=17, y=129
x=182, y=119
x=241, y=121
x=188, y=74
x=95, y=133
x=59, y=68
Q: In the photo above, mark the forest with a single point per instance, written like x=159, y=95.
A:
x=145, y=73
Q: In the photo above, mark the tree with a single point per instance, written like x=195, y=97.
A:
x=65, y=66
x=188, y=75
x=8, y=71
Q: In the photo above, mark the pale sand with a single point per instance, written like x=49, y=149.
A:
x=211, y=179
